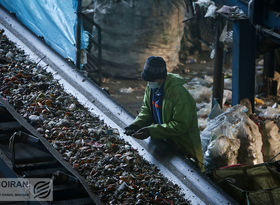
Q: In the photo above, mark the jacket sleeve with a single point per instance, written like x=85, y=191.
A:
x=183, y=111
x=145, y=117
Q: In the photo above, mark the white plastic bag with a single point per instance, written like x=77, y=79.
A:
x=211, y=11
x=269, y=113
x=231, y=138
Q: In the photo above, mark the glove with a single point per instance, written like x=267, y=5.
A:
x=141, y=134
x=129, y=130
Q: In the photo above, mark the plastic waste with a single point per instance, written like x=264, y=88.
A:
x=218, y=125
x=250, y=151
x=228, y=83
x=222, y=151
x=227, y=97
x=226, y=36
x=216, y=110
x=202, y=123
x=211, y=11
x=275, y=105
x=272, y=137
x=208, y=79
x=204, y=112
x=204, y=3
x=269, y=113
x=232, y=12
x=213, y=53
x=230, y=138
x=126, y=90
x=199, y=93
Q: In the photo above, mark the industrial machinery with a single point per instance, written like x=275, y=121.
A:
x=256, y=34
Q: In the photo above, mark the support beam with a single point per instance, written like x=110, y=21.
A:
x=218, y=85
x=244, y=60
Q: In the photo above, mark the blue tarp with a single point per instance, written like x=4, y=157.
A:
x=54, y=20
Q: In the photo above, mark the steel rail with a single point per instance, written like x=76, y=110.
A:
x=198, y=189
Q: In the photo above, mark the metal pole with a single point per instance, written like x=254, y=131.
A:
x=218, y=85
x=243, y=62
x=78, y=36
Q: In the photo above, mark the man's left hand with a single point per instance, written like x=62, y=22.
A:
x=141, y=134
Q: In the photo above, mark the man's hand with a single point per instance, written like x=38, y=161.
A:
x=131, y=129
x=141, y=134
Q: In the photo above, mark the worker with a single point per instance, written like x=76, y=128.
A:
x=168, y=110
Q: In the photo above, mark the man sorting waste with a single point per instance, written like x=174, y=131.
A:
x=168, y=110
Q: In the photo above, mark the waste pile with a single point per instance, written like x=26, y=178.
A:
x=240, y=137
x=112, y=168
x=201, y=90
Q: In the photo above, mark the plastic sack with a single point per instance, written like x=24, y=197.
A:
x=250, y=151
x=221, y=124
x=134, y=30
x=272, y=140
x=222, y=149
x=231, y=138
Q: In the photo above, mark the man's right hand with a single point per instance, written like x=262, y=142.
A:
x=131, y=129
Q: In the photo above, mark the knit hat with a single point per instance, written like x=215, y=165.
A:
x=154, y=68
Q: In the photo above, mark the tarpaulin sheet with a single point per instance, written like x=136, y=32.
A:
x=54, y=20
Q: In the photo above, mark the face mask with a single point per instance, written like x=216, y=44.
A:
x=153, y=85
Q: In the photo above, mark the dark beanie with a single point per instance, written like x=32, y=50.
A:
x=154, y=68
